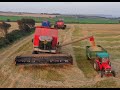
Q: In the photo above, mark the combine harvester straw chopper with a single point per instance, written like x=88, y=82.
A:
x=100, y=58
x=46, y=49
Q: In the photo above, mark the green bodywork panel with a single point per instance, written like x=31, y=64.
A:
x=92, y=54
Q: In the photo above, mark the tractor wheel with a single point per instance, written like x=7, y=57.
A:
x=113, y=72
x=96, y=67
x=32, y=40
x=64, y=27
x=55, y=26
x=102, y=74
x=87, y=57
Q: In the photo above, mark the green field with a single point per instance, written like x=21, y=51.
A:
x=66, y=19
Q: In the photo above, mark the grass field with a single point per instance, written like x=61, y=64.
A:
x=81, y=74
x=66, y=19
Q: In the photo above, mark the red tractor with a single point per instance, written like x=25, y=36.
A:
x=102, y=63
x=60, y=25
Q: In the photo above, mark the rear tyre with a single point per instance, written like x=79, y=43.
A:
x=64, y=27
x=96, y=67
x=113, y=73
x=32, y=40
x=56, y=27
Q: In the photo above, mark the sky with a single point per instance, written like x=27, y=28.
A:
x=106, y=8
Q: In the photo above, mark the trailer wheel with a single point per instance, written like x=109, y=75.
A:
x=96, y=67
x=87, y=57
x=113, y=73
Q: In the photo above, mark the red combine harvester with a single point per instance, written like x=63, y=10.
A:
x=60, y=25
x=46, y=49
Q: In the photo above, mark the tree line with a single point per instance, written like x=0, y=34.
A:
x=25, y=25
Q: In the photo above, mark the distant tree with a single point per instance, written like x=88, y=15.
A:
x=8, y=20
x=4, y=27
x=26, y=24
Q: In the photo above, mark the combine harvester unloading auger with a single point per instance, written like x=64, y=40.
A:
x=46, y=49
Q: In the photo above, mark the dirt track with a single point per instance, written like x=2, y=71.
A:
x=37, y=76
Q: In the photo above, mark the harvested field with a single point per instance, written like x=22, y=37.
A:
x=80, y=74
x=14, y=26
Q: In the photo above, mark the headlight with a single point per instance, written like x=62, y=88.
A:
x=107, y=71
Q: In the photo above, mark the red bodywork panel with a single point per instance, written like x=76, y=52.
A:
x=60, y=23
x=92, y=38
x=44, y=31
x=104, y=65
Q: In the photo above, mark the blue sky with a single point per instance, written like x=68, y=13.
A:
x=107, y=8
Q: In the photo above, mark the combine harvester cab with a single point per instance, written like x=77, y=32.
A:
x=45, y=49
x=46, y=24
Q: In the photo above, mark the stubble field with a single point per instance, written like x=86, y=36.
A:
x=80, y=74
